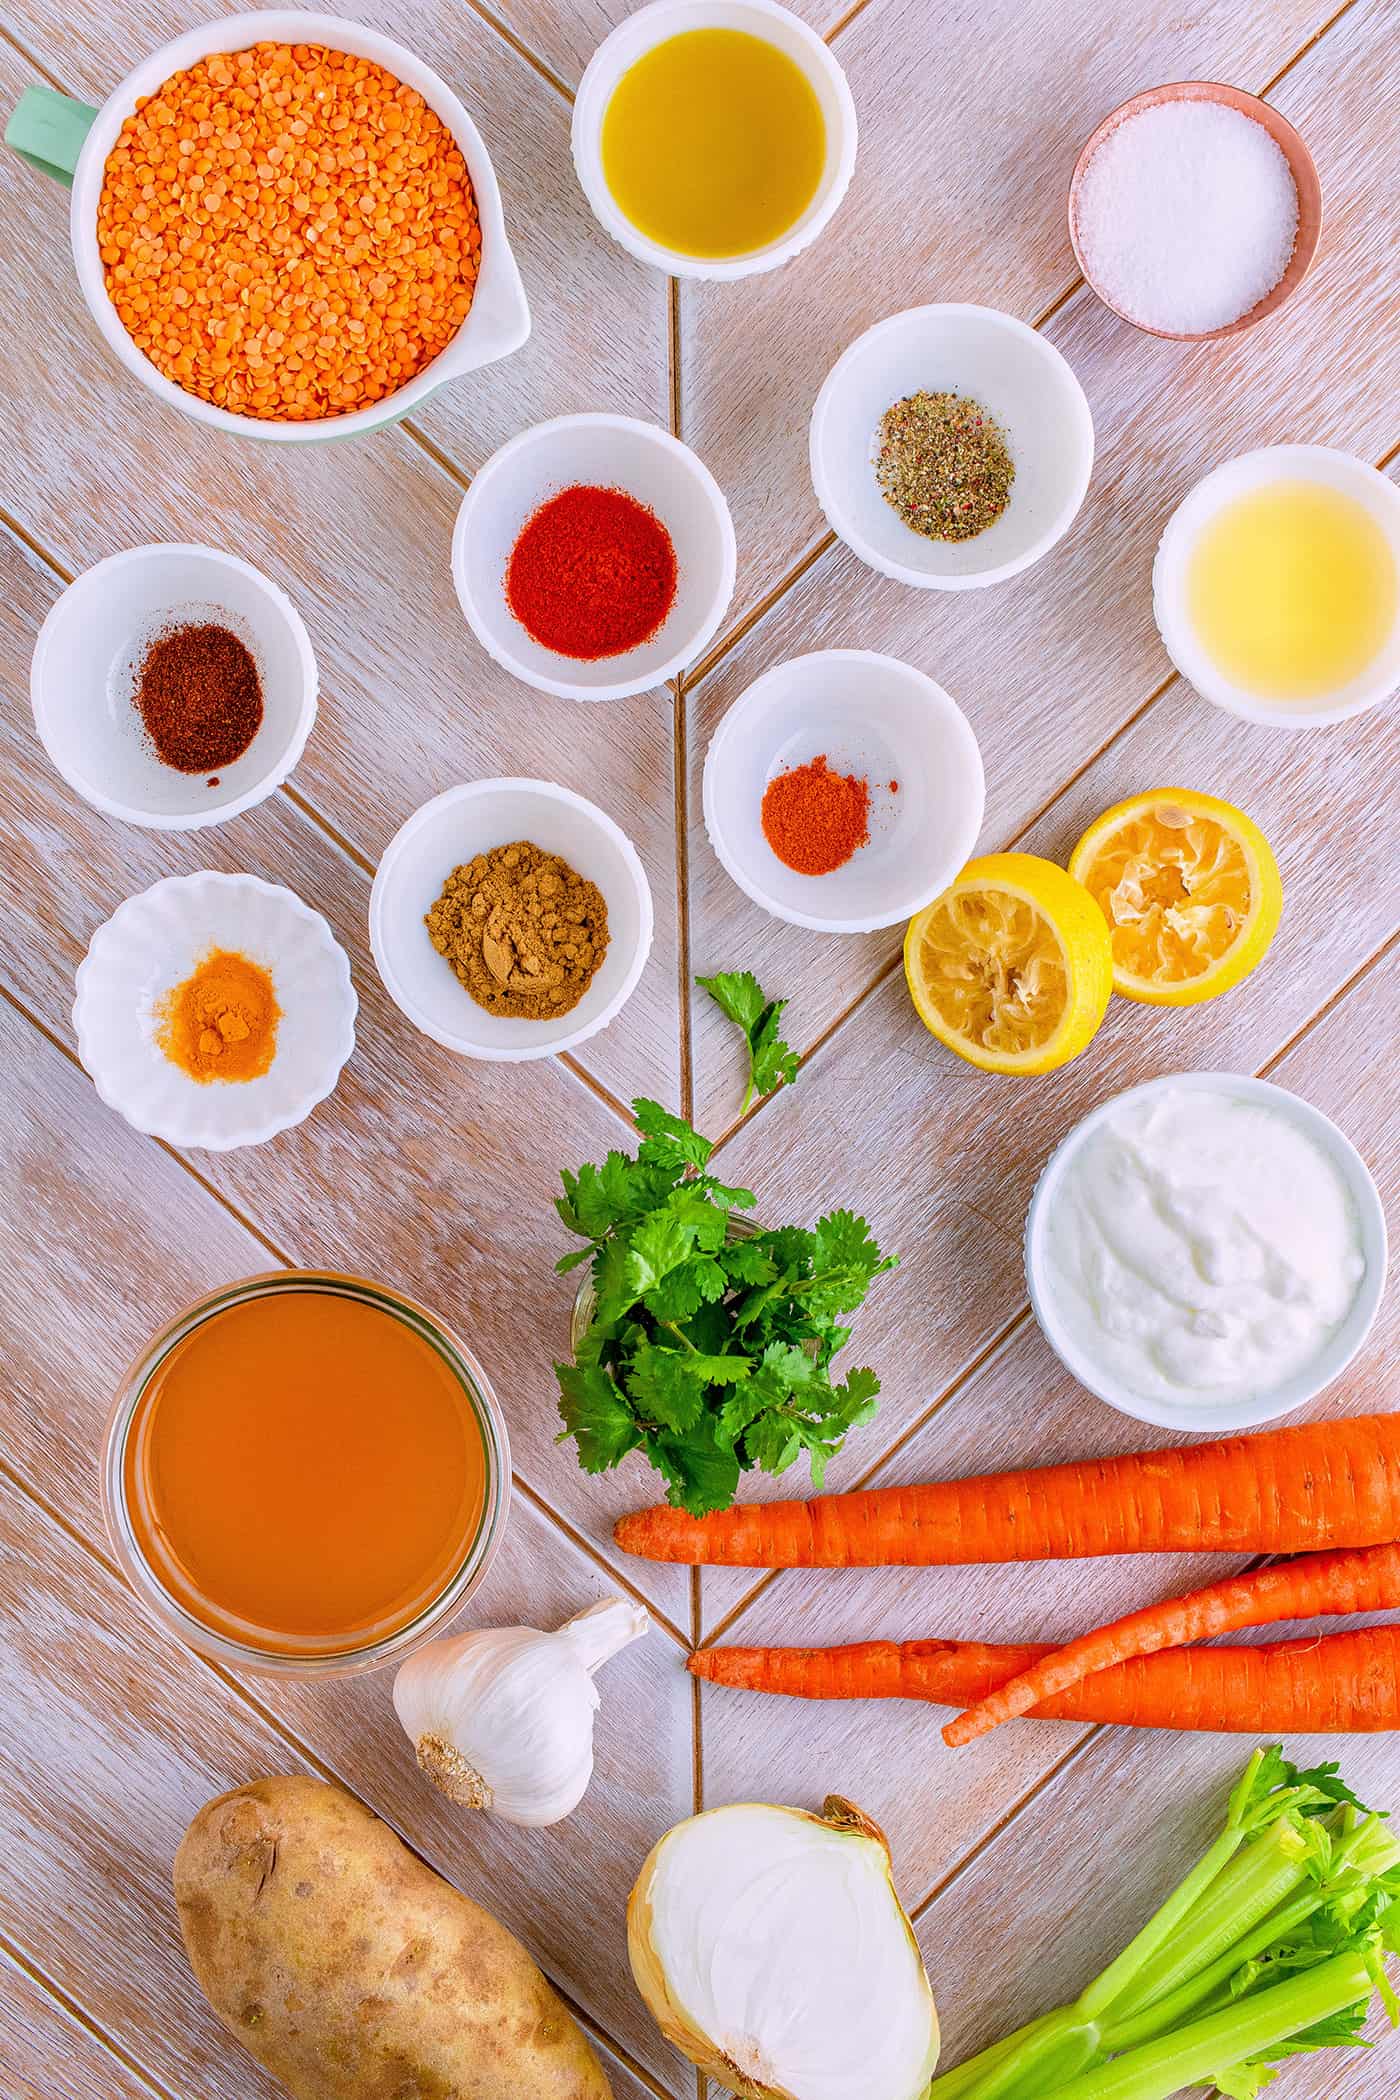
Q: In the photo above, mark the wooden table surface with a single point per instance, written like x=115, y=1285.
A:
x=1029, y=1857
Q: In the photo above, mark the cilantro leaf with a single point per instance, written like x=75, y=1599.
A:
x=772, y=1444
x=786, y=1369
x=719, y=1370
x=701, y=1475
x=680, y=1294
x=856, y=1399
x=743, y=1262
x=739, y=996
x=596, y=1416
x=658, y=1245
x=668, y=1141
x=845, y=1262
x=665, y=1388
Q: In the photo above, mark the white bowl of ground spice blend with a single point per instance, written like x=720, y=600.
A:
x=173, y=686
x=951, y=446
x=510, y=919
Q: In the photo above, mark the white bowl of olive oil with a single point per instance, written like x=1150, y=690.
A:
x=714, y=138
x=1277, y=586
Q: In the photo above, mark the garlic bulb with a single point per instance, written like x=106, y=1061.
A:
x=503, y=1720
x=771, y=1948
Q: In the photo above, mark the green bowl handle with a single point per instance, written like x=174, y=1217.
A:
x=48, y=129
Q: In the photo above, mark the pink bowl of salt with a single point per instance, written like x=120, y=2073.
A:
x=1187, y=218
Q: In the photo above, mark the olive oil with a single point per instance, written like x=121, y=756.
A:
x=713, y=143
x=1292, y=590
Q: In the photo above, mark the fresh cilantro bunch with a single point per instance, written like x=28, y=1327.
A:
x=709, y=1353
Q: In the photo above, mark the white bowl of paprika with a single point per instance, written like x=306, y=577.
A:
x=594, y=556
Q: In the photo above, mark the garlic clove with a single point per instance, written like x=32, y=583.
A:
x=596, y=1635
x=502, y=1719
x=771, y=1948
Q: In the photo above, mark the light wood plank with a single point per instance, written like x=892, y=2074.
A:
x=1021, y=1407
x=45, y=2054
x=136, y=1737
x=566, y=37
x=466, y=1221
x=559, y=39
x=1050, y=665
x=971, y=120
x=360, y=535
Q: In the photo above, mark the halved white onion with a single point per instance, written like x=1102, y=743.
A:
x=771, y=1948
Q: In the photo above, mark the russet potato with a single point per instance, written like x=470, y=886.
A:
x=351, y=1971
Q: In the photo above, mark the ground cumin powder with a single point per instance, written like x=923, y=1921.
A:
x=221, y=1023
x=524, y=932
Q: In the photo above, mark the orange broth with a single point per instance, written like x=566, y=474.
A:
x=304, y=1473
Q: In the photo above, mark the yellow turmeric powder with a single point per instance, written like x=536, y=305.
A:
x=221, y=1023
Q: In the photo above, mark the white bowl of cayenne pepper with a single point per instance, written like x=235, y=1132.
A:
x=173, y=686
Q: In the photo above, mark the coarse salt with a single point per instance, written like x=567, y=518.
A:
x=1186, y=216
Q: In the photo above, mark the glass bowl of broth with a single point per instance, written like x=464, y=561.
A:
x=305, y=1474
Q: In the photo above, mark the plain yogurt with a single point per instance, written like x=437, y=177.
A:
x=1200, y=1246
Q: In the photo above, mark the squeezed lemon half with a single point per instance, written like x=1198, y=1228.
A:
x=1190, y=891
x=1012, y=966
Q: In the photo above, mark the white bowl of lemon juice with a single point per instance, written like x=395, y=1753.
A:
x=714, y=138
x=1277, y=586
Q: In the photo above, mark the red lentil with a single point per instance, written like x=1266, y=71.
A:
x=288, y=232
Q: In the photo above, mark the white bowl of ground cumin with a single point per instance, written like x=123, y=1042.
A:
x=427, y=971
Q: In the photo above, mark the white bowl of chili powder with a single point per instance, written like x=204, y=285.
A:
x=594, y=556
x=843, y=790
x=173, y=686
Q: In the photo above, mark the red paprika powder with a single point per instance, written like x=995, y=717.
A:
x=592, y=574
x=815, y=819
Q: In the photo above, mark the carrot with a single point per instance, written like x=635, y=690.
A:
x=1281, y=1491
x=1339, y=1684
x=1367, y=1579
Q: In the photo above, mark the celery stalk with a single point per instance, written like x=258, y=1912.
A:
x=1299, y=1880
x=1241, y=2033
x=1257, y=1881
x=953, y=2085
x=1159, y=1928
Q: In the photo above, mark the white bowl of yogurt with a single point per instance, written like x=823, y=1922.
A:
x=1206, y=1251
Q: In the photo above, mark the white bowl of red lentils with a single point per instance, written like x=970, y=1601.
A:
x=594, y=556
x=287, y=226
